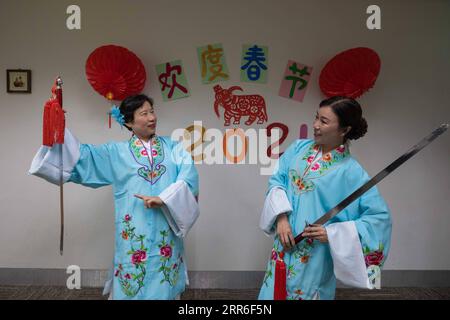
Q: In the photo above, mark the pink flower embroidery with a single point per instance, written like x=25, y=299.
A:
x=315, y=167
x=139, y=256
x=127, y=276
x=374, y=258
x=310, y=159
x=274, y=255
x=154, y=153
x=117, y=273
x=340, y=149
x=166, y=251
x=127, y=217
x=144, y=152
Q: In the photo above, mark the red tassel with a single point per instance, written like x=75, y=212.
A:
x=58, y=94
x=60, y=119
x=279, y=287
x=54, y=90
x=54, y=123
x=59, y=124
x=46, y=137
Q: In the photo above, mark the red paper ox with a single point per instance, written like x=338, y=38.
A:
x=237, y=106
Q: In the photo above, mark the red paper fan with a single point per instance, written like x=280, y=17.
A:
x=115, y=72
x=350, y=73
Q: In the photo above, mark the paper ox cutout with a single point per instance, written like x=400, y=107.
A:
x=237, y=106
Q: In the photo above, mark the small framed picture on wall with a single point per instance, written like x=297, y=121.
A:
x=18, y=81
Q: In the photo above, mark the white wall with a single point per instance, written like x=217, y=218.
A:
x=410, y=98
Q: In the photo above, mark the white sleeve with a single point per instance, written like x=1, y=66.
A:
x=47, y=161
x=276, y=203
x=346, y=251
x=180, y=207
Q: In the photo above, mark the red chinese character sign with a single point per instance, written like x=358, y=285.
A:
x=295, y=81
x=172, y=80
x=213, y=66
x=237, y=106
x=350, y=73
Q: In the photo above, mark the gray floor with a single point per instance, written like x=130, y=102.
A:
x=62, y=293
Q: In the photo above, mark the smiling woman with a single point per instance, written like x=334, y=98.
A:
x=313, y=176
x=338, y=120
x=139, y=116
x=155, y=184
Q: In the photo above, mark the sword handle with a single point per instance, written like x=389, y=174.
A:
x=299, y=238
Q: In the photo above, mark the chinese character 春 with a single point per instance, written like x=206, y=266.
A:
x=255, y=58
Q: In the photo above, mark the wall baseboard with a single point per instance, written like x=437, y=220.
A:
x=213, y=279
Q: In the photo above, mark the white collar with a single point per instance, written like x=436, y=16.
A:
x=147, y=144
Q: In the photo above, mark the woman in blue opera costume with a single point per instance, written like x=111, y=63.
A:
x=155, y=186
x=312, y=177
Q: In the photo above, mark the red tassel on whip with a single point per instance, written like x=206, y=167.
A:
x=279, y=287
x=54, y=120
x=60, y=118
x=53, y=132
x=47, y=127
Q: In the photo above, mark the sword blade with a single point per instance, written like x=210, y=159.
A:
x=380, y=176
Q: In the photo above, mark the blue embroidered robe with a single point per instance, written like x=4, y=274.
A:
x=311, y=193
